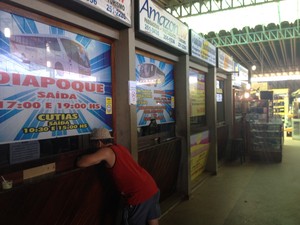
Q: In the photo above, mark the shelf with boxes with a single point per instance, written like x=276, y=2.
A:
x=266, y=141
x=281, y=103
x=260, y=111
x=279, y=107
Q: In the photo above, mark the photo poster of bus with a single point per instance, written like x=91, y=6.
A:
x=154, y=91
x=197, y=93
x=53, y=82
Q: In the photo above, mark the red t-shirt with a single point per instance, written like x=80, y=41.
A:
x=133, y=181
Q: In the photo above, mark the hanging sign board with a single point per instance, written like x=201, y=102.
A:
x=117, y=9
x=159, y=24
x=225, y=61
x=236, y=82
x=53, y=82
x=202, y=49
x=240, y=76
x=243, y=73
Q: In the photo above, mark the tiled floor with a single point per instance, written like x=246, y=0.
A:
x=254, y=193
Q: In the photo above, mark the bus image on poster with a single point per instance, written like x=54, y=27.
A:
x=56, y=52
x=150, y=74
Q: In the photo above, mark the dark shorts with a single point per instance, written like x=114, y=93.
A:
x=140, y=214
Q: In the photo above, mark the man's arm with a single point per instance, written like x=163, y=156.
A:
x=104, y=154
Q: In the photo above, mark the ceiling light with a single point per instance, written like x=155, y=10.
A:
x=246, y=95
x=253, y=68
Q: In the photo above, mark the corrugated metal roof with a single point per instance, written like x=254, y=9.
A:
x=274, y=49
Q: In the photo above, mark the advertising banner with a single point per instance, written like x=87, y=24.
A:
x=243, y=73
x=117, y=9
x=197, y=93
x=154, y=91
x=199, y=153
x=202, y=49
x=225, y=61
x=53, y=82
x=158, y=23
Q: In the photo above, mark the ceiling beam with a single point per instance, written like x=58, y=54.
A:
x=265, y=55
x=283, y=52
x=274, y=52
x=254, y=36
x=294, y=52
x=188, y=8
x=239, y=57
x=257, y=60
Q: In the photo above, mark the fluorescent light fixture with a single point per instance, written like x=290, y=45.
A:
x=275, y=78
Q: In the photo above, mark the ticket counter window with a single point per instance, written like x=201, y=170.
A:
x=197, y=100
x=155, y=99
x=220, y=101
x=27, y=152
x=56, y=86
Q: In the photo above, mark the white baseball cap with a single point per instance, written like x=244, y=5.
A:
x=100, y=133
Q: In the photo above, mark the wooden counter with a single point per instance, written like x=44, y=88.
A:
x=162, y=162
x=78, y=197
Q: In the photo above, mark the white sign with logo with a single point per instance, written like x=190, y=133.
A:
x=243, y=73
x=118, y=9
x=159, y=24
x=240, y=75
x=202, y=49
x=225, y=61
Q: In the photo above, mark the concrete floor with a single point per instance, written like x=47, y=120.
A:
x=254, y=193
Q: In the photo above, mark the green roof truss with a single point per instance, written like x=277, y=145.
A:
x=247, y=35
x=200, y=7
